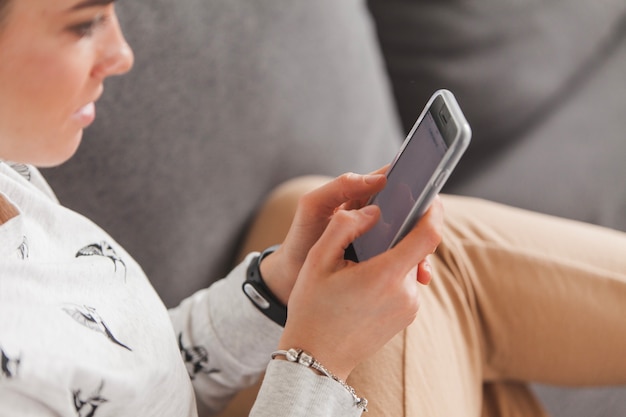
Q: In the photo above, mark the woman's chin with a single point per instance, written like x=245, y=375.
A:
x=44, y=153
x=60, y=154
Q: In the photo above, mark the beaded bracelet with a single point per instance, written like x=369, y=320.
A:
x=301, y=357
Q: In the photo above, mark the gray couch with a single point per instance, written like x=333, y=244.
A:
x=230, y=98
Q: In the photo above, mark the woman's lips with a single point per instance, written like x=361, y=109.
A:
x=86, y=114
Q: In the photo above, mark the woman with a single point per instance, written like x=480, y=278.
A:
x=87, y=333
x=515, y=296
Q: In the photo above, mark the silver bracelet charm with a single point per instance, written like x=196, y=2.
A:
x=303, y=358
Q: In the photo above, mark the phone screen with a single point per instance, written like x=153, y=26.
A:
x=407, y=179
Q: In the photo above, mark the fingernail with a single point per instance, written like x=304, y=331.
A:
x=369, y=210
x=372, y=178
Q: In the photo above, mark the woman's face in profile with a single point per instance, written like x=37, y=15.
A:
x=54, y=57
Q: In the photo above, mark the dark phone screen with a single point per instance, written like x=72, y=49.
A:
x=405, y=182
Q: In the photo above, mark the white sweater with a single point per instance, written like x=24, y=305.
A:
x=83, y=333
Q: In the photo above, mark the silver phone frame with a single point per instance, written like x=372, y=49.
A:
x=453, y=154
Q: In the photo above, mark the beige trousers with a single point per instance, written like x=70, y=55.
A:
x=516, y=297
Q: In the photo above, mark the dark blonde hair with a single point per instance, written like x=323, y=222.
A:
x=4, y=10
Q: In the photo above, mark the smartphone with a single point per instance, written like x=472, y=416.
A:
x=426, y=159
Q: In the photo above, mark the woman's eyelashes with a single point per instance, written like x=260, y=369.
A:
x=87, y=29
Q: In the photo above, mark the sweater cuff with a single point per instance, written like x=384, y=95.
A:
x=246, y=333
x=301, y=392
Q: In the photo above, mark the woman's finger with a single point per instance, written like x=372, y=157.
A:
x=324, y=201
x=343, y=228
x=417, y=244
x=424, y=272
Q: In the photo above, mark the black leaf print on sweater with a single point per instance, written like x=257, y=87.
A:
x=21, y=169
x=196, y=359
x=102, y=249
x=87, y=407
x=89, y=317
x=10, y=366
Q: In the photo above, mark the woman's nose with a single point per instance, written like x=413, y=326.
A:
x=116, y=56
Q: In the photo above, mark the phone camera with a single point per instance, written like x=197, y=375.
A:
x=444, y=115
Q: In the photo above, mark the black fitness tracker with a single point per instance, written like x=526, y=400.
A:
x=255, y=289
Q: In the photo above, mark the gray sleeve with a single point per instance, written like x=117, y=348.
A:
x=292, y=390
x=225, y=341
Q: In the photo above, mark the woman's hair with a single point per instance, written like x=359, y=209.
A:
x=4, y=10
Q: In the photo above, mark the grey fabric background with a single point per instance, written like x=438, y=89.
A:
x=543, y=84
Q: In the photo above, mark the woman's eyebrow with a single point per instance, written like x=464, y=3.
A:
x=90, y=3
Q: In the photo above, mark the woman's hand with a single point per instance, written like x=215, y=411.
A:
x=314, y=212
x=339, y=311
x=343, y=312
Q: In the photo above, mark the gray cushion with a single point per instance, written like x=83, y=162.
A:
x=572, y=163
x=512, y=64
x=227, y=99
